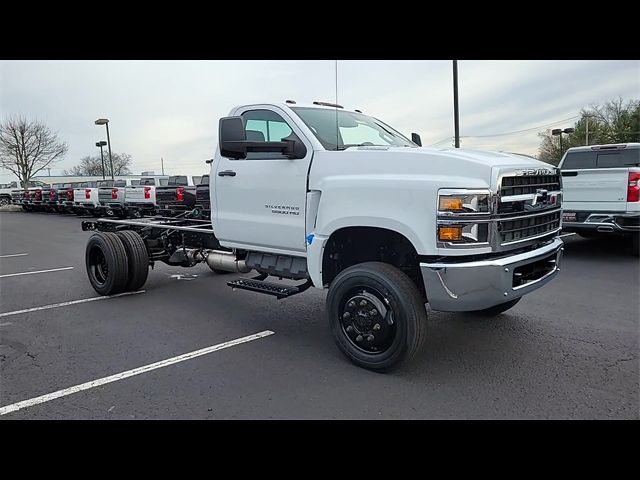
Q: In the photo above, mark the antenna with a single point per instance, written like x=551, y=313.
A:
x=337, y=131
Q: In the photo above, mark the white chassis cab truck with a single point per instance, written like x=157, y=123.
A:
x=338, y=200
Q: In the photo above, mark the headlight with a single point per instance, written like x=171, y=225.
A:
x=463, y=202
x=467, y=233
x=463, y=217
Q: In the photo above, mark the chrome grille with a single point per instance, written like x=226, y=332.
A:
x=529, y=205
x=529, y=184
x=525, y=227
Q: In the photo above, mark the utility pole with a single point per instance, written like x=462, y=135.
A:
x=586, y=135
x=456, y=118
x=162, y=163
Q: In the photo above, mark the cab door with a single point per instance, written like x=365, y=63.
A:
x=260, y=201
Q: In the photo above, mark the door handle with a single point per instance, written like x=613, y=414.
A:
x=227, y=173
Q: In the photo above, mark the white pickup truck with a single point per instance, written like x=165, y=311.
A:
x=85, y=197
x=141, y=199
x=338, y=200
x=602, y=191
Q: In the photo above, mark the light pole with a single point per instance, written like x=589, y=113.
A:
x=456, y=118
x=105, y=122
x=559, y=131
x=101, y=144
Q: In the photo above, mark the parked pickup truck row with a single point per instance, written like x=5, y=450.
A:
x=165, y=195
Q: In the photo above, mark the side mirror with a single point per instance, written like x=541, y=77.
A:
x=231, y=137
x=415, y=138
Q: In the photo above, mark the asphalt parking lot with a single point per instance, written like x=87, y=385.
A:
x=569, y=350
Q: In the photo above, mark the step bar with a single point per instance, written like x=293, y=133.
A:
x=257, y=284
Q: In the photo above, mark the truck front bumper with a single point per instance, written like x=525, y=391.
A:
x=476, y=285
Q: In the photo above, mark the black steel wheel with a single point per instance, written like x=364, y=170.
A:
x=138, y=259
x=106, y=262
x=377, y=315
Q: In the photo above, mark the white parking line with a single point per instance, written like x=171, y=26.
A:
x=65, y=304
x=130, y=373
x=36, y=271
x=14, y=255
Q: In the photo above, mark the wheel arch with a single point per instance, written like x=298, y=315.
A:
x=354, y=244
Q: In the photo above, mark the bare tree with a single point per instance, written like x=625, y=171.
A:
x=27, y=147
x=92, y=165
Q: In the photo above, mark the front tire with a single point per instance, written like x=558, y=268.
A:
x=106, y=261
x=377, y=315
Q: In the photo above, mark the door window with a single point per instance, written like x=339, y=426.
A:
x=266, y=126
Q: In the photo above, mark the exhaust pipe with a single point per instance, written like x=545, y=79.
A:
x=226, y=261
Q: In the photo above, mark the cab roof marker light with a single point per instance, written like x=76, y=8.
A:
x=609, y=147
x=327, y=104
x=290, y=101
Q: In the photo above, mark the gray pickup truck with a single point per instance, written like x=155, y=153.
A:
x=112, y=194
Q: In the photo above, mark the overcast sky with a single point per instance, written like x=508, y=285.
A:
x=170, y=109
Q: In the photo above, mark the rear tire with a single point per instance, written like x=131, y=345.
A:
x=138, y=267
x=377, y=315
x=496, y=309
x=4, y=201
x=635, y=244
x=106, y=261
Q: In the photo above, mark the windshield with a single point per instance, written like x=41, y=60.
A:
x=354, y=129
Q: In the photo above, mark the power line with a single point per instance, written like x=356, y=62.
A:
x=522, y=131
x=441, y=141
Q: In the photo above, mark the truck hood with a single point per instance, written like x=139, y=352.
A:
x=452, y=166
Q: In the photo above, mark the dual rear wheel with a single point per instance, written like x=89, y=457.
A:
x=116, y=262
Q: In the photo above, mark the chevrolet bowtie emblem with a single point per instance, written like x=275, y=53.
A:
x=541, y=196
